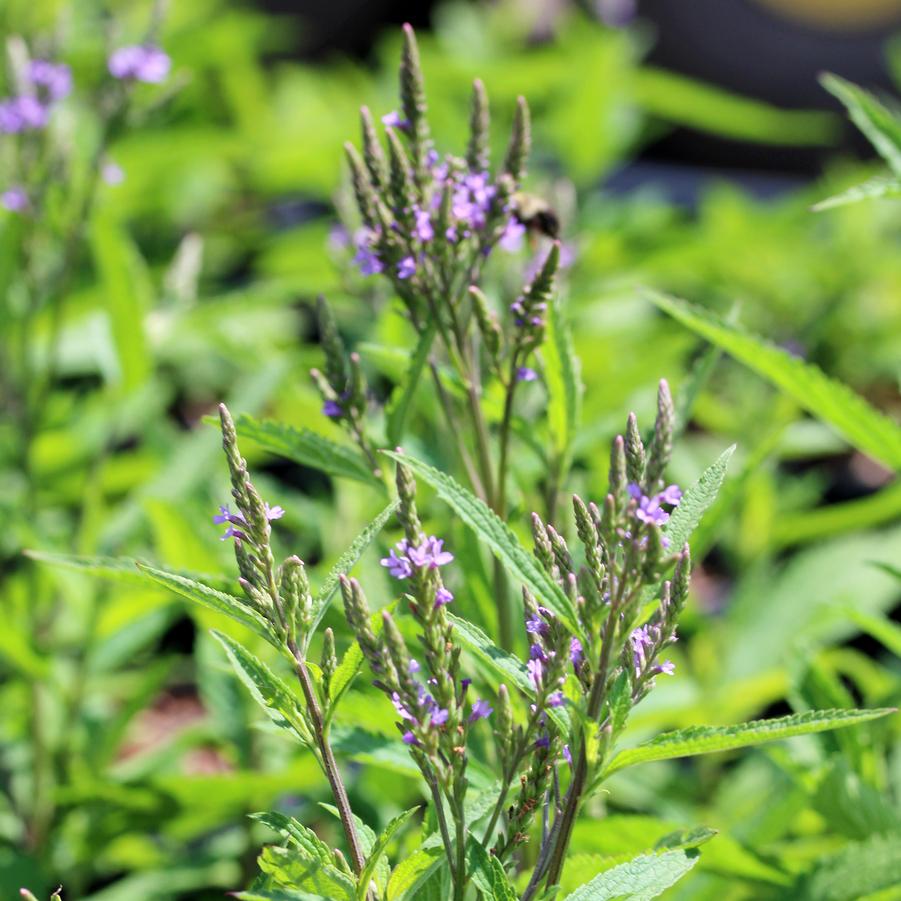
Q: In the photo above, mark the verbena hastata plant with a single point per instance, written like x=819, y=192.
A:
x=600, y=609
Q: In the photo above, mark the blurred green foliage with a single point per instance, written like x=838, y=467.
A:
x=129, y=756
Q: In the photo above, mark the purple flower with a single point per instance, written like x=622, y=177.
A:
x=524, y=374
x=394, y=120
x=535, y=625
x=536, y=672
x=112, y=173
x=14, y=199
x=430, y=554
x=366, y=257
x=480, y=710
x=139, y=63
x=511, y=237
x=225, y=515
x=22, y=114
x=575, y=652
x=642, y=642
x=543, y=742
x=439, y=717
x=398, y=566
x=401, y=709
x=567, y=755
x=556, y=699
x=649, y=508
x=672, y=494
x=537, y=652
x=406, y=267
x=332, y=409
x=409, y=739
x=668, y=668
x=442, y=597
x=413, y=666
x=423, y=228
x=275, y=512
x=55, y=78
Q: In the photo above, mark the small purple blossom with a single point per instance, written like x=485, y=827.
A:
x=668, y=668
x=567, y=755
x=543, y=742
x=511, y=237
x=409, y=739
x=481, y=709
x=525, y=374
x=537, y=652
x=366, y=257
x=430, y=554
x=556, y=699
x=406, y=268
x=535, y=625
x=332, y=409
x=275, y=512
x=394, y=120
x=139, y=63
x=112, y=173
x=536, y=672
x=413, y=666
x=402, y=711
x=442, y=597
x=575, y=652
x=649, y=509
x=398, y=566
x=54, y=78
x=22, y=114
x=423, y=228
x=439, y=717
x=14, y=199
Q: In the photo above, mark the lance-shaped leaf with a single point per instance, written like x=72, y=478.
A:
x=215, y=600
x=298, y=834
x=640, y=879
x=267, y=689
x=307, y=448
x=496, y=534
x=508, y=667
x=857, y=870
x=402, y=397
x=708, y=739
x=346, y=562
x=696, y=501
x=561, y=369
x=876, y=188
x=379, y=848
x=850, y=415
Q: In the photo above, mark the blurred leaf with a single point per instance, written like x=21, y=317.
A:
x=413, y=871
x=398, y=406
x=561, y=369
x=856, y=870
x=877, y=187
x=708, y=739
x=862, y=425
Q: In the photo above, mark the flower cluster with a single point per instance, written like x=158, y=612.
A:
x=237, y=522
x=139, y=62
x=650, y=509
x=405, y=557
x=46, y=84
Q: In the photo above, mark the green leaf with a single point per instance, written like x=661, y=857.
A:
x=262, y=894
x=496, y=534
x=296, y=832
x=307, y=448
x=857, y=870
x=884, y=630
x=352, y=661
x=267, y=689
x=345, y=563
x=640, y=879
x=881, y=125
x=875, y=188
x=501, y=887
x=126, y=289
x=402, y=397
x=216, y=600
x=378, y=849
x=413, y=871
x=696, y=501
x=851, y=416
x=685, y=839
x=503, y=663
x=708, y=739
x=294, y=869
x=120, y=568
x=561, y=369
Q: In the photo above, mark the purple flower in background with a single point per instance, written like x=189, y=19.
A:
x=567, y=755
x=511, y=238
x=524, y=374
x=332, y=409
x=54, y=78
x=139, y=63
x=556, y=699
x=402, y=711
x=366, y=257
x=575, y=652
x=398, y=566
x=413, y=666
x=14, y=199
x=668, y=668
x=480, y=710
x=22, y=114
x=394, y=120
x=406, y=267
x=543, y=742
x=442, y=597
x=439, y=717
x=423, y=228
x=537, y=652
x=112, y=173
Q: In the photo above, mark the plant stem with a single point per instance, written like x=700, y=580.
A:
x=442, y=823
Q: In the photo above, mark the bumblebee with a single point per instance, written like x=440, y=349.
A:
x=536, y=214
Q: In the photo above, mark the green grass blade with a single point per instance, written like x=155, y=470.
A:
x=850, y=415
x=709, y=739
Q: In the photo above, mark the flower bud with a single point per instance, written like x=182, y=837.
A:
x=635, y=456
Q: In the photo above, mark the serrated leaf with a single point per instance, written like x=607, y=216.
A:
x=620, y=703
x=881, y=125
x=413, y=871
x=276, y=699
x=850, y=415
x=640, y=879
x=561, y=369
x=294, y=869
x=857, y=870
x=352, y=661
x=685, y=839
x=301, y=835
x=875, y=188
x=216, y=600
x=501, y=887
x=503, y=663
x=307, y=448
x=262, y=894
x=709, y=739
x=402, y=397
x=496, y=534
x=345, y=563
x=379, y=848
